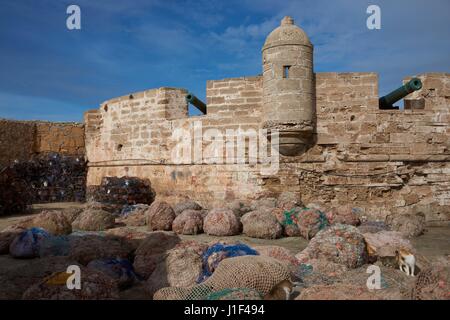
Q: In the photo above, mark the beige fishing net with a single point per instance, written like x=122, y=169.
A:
x=432, y=284
x=251, y=272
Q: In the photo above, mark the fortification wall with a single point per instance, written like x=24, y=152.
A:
x=20, y=140
x=134, y=127
x=62, y=138
x=381, y=161
x=16, y=141
x=149, y=142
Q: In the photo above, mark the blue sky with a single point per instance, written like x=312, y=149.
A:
x=51, y=73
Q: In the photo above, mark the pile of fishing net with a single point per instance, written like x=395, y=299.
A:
x=279, y=253
x=320, y=280
x=27, y=244
x=393, y=282
x=86, y=247
x=7, y=236
x=386, y=243
x=221, y=222
x=325, y=267
x=129, y=235
x=181, y=267
x=310, y=222
x=248, y=272
x=186, y=205
x=264, y=202
x=261, y=224
x=409, y=225
x=318, y=272
x=44, y=178
x=188, y=222
x=94, y=220
x=289, y=200
x=120, y=270
x=235, y=294
x=152, y=250
x=341, y=291
x=239, y=208
x=198, y=247
x=55, y=222
x=15, y=194
x=342, y=244
x=189, y=263
x=95, y=285
x=19, y=275
x=373, y=226
x=212, y=257
x=95, y=205
x=121, y=191
x=133, y=215
x=344, y=215
x=160, y=216
x=288, y=219
x=432, y=283
x=303, y=222
x=55, y=246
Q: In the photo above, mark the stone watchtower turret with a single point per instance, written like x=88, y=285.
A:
x=288, y=87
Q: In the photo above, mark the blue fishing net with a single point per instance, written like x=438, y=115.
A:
x=217, y=252
x=118, y=269
x=27, y=243
x=130, y=208
x=127, y=209
x=55, y=246
x=115, y=267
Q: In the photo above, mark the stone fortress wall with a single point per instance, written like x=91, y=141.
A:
x=21, y=140
x=381, y=161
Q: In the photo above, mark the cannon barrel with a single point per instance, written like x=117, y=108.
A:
x=199, y=104
x=388, y=100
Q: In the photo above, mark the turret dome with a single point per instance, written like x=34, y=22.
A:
x=287, y=34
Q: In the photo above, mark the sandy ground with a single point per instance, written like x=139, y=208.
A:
x=294, y=244
x=434, y=243
x=36, y=208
